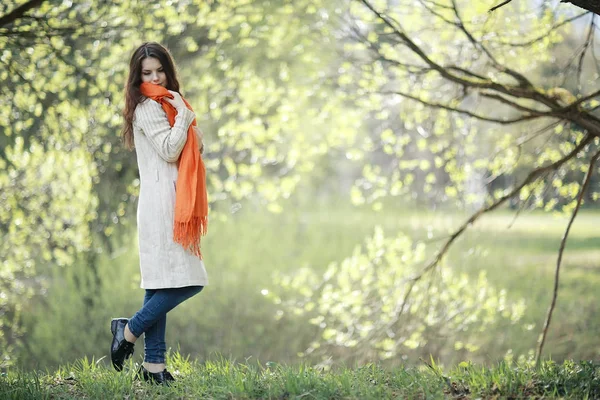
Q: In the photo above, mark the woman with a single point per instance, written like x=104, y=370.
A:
x=172, y=208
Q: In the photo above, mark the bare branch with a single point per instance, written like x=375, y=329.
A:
x=518, y=91
x=438, y=4
x=584, y=186
x=585, y=98
x=469, y=113
x=505, y=2
x=532, y=177
x=510, y=103
x=542, y=36
x=590, y=5
x=19, y=12
x=373, y=46
x=589, y=39
x=594, y=56
x=583, y=118
x=467, y=72
x=478, y=44
x=579, y=54
x=437, y=14
x=519, y=145
x=524, y=203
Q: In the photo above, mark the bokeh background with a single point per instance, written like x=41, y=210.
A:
x=346, y=141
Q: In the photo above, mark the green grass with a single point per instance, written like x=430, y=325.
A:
x=522, y=259
x=223, y=379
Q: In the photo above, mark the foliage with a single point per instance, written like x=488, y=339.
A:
x=36, y=201
x=495, y=73
x=221, y=378
x=288, y=93
x=269, y=112
x=71, y=318
x=438, y=130
x=234, y=315
x=357, y=305
x=66, y=183
x=56, y=107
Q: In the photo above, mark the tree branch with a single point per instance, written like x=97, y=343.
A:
x=467, y=72
x=533, y=176
x=519, y=144
x=523, y=81
x=478, y=45
x=563, y=242
x=589, y=39
x=585, y=98
x=499, y=5
x=373, y=46
x=522, y=118
x=510, y=103
x=439, y=5
x=517, y=91
x=542, y=36
x=590, y=5
x=19, y=12
x=581, y=117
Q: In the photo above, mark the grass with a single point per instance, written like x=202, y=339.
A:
x=224, y=379
x=523, y=259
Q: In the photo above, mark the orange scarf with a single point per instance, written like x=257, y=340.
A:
x=191, y=201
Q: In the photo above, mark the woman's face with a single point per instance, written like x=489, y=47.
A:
x=152, y=71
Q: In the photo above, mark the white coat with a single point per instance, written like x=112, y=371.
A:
x=163, y=263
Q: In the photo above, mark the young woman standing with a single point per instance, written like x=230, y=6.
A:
x=172, y=208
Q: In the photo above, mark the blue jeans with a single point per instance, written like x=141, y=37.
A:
x=151, y=319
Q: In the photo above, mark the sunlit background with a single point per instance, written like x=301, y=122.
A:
x=346, y=142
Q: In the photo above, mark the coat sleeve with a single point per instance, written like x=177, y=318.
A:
x=167, y=141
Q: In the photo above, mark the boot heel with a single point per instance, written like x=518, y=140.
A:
x=113, y=326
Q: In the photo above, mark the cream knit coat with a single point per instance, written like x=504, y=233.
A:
x=163, y=263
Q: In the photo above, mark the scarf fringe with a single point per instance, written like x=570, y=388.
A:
x=188, y=233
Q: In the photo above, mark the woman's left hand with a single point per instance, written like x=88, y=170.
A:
x=199, y=136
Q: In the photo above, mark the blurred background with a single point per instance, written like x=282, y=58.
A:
x=346, y=141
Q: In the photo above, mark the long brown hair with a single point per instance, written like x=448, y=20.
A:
x=133, y=96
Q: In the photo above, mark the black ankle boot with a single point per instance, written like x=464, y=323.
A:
x=120, y=349
x=160, y=378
